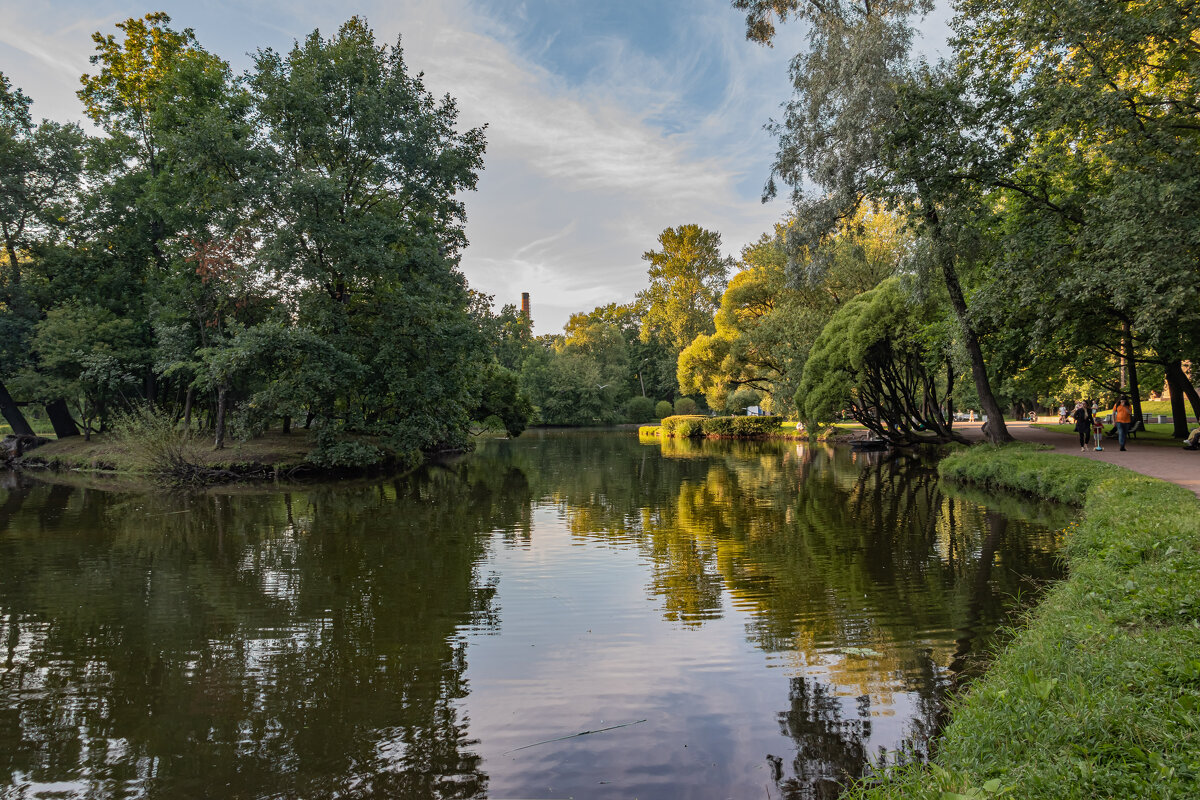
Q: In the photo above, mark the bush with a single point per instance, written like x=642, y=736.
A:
x=639, y=409
x=682, y=425
x=158, y=445
x=663, y=409
x=719, y=426
x=685, y=406
x=741, y=426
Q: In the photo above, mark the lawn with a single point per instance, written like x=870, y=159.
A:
x=41, y=427
x=104, y=451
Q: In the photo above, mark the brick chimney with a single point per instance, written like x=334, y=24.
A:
x=525, y=306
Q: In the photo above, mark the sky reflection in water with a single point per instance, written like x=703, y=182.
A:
x=779, y=615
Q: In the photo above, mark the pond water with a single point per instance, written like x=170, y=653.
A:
x=728, y=619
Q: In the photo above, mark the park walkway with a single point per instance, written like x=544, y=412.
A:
x=1172, y=464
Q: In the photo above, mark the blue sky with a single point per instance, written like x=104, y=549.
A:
x=608, y=120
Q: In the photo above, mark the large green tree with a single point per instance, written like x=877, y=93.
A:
x=1098, y=105
x=687, y=277
x=768, y=320
x=881, y=358
x=865, y=123
x=363, y=218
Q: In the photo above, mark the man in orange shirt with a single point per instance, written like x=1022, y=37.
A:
x=1123, y=416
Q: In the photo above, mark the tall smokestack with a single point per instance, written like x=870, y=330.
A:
x=525, y=306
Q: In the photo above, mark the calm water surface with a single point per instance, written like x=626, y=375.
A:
x=762, y=620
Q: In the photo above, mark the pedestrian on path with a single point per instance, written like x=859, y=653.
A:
x=1123, y=416
x=1083, y=423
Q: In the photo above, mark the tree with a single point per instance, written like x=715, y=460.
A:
x=280, y=369
x=155, y=90
x=1098, y=106
x=864, y=124
x=362, y=218
x=767, y=323
x=578, y=378
x=86, y=355
x=687, y=278
x=878, y=359
x=40, y=166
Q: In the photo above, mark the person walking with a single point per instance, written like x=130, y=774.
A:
x=1062, y=414
x=1083, y=423
x=1123, y=416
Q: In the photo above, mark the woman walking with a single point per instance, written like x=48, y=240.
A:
x=1083, y=423
x=1123, y=416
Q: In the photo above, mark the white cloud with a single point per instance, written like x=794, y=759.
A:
x=580, y=178
x=596, y=159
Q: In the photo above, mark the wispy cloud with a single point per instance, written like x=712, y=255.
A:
x=583, y=171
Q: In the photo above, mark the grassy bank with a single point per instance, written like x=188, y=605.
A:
x=1098, y=695
x=273, y=452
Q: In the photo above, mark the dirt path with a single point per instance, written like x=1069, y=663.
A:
x=1172, y=464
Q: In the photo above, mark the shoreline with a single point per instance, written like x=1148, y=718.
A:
x=1098, y=693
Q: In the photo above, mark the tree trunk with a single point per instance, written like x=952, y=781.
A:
x=12, y=413
x=222, y=395
x=949, y=394
x=1189, y=391
x=287, y=423
x=1135, y=392
x=1175, y=381
x=188, y=399
x=995, y=430
x=61, y=419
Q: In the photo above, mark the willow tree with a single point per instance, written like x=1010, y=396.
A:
x=880, y=357
x=864, y=124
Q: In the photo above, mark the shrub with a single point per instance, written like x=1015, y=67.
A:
x=741, y=426
x=335, y=451
x=639, y=409
x=719, y=426
x=685, y=406
x=161, y=447
x=682, y=425
x=663, y=409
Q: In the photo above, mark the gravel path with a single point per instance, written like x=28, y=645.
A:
x=1172, y=464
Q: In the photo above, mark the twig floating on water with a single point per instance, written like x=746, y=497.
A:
x=575, y=735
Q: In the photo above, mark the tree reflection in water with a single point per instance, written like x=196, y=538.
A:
x=824, y=550
x=279, y=644
x=310, y=642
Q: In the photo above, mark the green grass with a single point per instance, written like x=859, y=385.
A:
x=1158, y=407
x=107, y=452
x=1098, y=695
x=41, y=427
